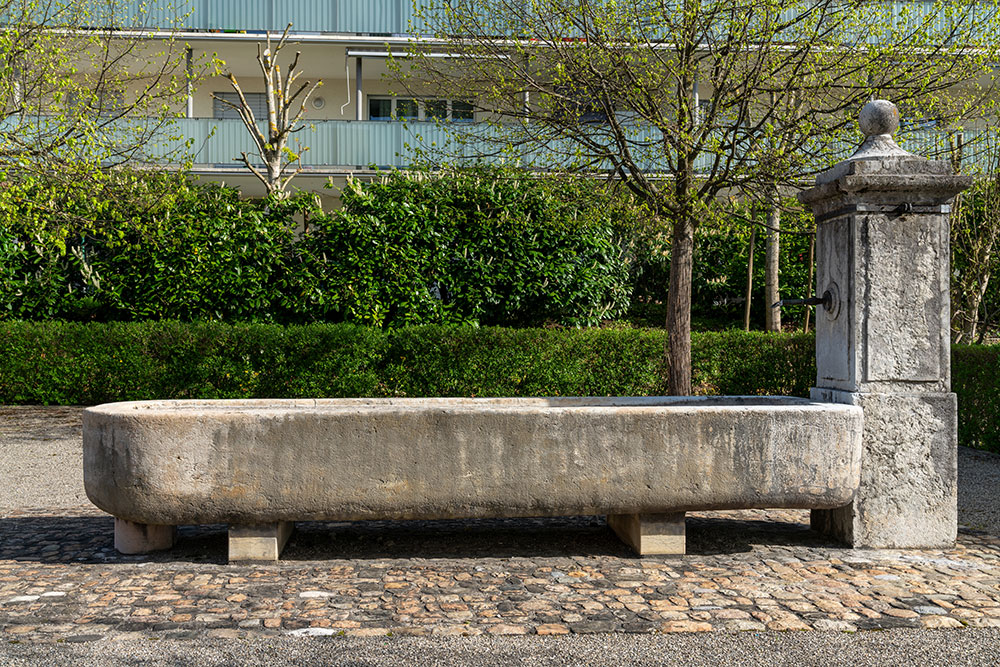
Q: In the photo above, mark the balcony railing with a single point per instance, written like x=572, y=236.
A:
x=349, y=145
x=397, y=17
x=337, y=144
x=381, y=17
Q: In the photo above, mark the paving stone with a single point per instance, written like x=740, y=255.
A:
x=832, y=625
x=504, y=629
x=685, y=626
x=594, y=626
x=930, y=609
x=740, y=625
x=788, y=624
x=940, y=622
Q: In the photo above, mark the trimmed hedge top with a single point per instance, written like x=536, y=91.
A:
x=85, y=364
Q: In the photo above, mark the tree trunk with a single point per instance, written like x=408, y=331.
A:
x=772, y=320
x=974, y=302
x=679, y=307
x=811, y=289
x=749, y=293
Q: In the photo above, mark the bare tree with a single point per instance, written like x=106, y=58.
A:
x=677, y=99
x=286, y=105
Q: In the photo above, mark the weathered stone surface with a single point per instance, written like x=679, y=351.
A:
x=879, y=117
x=939, y=622
x=884, y=343
x=889, y=326
x=908, y=496
x=877, y=183
x=251, y=462
x=258, y=542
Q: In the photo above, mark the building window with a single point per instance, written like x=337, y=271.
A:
x=222, y=111
x=408, y=108
x=379, y=108
x=462, y=112
x=436, y=109
x=411, y=108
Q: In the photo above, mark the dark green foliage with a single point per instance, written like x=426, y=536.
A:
x=492, y=247
x=719, y=277
x=183, y=251
x=975, y=262
x=214, y=258
x=74, y=363
x=738, y=362
x=975, y=378
x=467, y=361
x=721, y=269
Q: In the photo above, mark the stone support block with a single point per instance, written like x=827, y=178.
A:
x=651, y=534
x=908, y=497
x=141, y=538
x=262, y=542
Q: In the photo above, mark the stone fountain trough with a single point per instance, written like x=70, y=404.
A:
x=260, y=465
x=883, y=343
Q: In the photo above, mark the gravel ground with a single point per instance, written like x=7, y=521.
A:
x=979, y=490
x=41, y=464
x=870, y=649
x=41, y=458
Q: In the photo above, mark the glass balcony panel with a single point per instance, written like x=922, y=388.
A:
x=346, y=145
x=381, y=17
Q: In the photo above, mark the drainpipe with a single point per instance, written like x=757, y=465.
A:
x=358, y=92
x=696, y=102
x=189, y=68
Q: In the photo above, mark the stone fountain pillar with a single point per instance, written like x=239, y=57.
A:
x=882, y=336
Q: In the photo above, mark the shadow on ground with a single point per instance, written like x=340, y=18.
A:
x=89, y=539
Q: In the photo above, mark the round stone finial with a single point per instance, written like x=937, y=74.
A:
x=879, y=117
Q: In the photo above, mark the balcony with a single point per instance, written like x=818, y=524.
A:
x=338, y=144
x=379, y=17
x=347, y=145
x=396, y=17
x=360, y=145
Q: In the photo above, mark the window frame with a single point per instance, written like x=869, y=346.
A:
x=422, y=109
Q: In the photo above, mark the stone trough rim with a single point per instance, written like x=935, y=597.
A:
x=462, y=404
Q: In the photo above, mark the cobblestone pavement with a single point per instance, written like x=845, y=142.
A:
x=61, y=580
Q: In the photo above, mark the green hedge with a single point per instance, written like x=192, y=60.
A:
x=60, y=363
x=74, y=363
x=975, y=377
x=494, y=247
